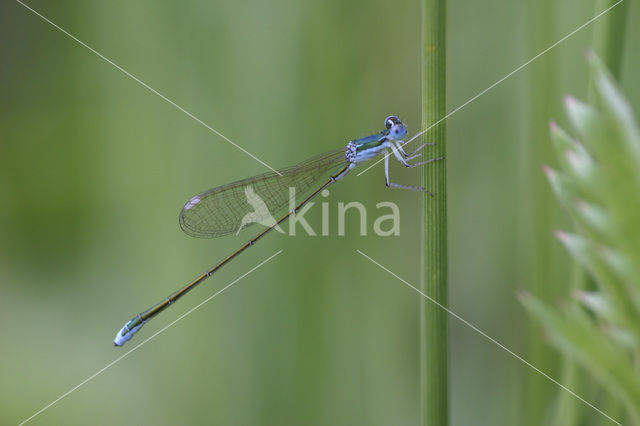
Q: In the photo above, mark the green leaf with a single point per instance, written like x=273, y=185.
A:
x=576, y=335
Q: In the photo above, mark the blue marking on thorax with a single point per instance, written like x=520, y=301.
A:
x=368, y=142
x=368, y=147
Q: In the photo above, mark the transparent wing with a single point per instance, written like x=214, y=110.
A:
x=229, y=208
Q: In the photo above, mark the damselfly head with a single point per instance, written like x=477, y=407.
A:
x=396, y=129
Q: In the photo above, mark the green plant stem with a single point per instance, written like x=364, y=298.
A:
x=568, y=410
x=608, y=43
x=609, y=35
x=434, y=319
x=548, y=271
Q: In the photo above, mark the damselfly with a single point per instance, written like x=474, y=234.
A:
x=229, y=208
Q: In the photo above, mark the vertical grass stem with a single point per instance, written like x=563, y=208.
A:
x=434, y=320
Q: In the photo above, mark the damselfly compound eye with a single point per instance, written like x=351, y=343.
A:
x=391, y=120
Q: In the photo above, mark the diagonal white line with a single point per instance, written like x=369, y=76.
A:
x=500, y=345
x=149, y=338
x=500, y=81
x=151, y=89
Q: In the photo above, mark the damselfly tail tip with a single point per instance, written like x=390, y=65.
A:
x=122, y=336
x=127, y=332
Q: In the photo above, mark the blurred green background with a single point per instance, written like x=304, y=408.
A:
x=94, y=170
